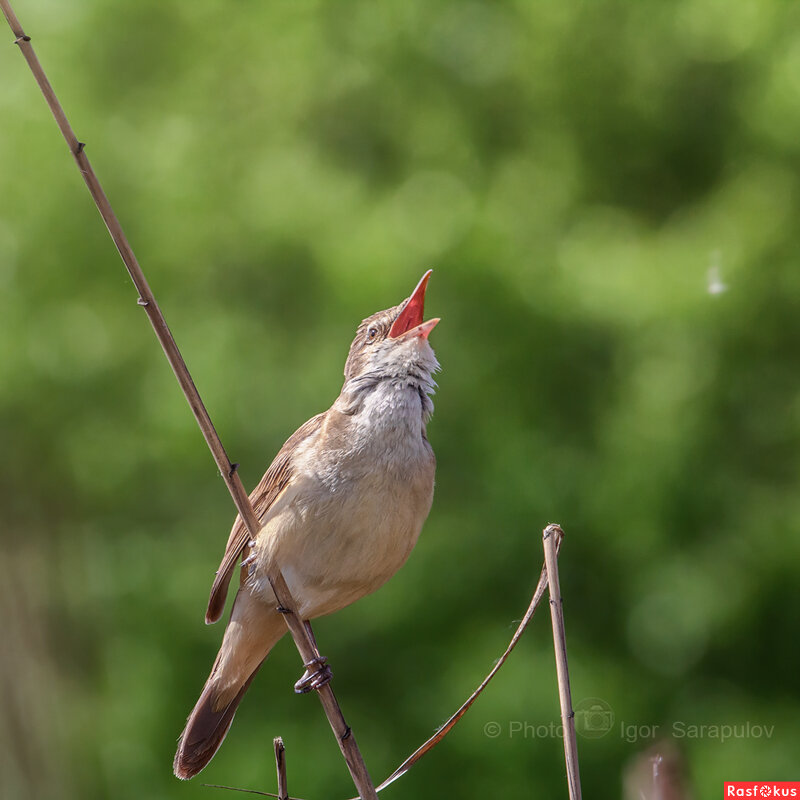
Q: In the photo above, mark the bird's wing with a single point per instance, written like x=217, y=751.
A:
x=275, y=480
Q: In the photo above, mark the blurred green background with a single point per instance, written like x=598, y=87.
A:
x=608, y=194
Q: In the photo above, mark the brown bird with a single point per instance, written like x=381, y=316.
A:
x=341, y=508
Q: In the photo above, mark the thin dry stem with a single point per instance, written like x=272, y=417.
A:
x=280, y=764
x=245, y=791
x=552, y=536
x=302, y=640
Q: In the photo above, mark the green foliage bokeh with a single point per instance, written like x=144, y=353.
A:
x=608, y=193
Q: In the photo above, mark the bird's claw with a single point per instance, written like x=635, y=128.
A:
x=317, y=674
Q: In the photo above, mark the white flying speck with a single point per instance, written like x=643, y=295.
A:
x=715, y=284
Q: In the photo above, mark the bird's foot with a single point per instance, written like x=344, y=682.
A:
x=317, y=674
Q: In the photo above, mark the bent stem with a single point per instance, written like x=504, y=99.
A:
x=302, y=640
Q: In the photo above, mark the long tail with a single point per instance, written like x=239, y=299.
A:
x=253, y=630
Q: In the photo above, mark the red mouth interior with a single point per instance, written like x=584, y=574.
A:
x=411, y=315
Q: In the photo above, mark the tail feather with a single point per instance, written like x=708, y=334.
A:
x=205, y=730
x=252, y=631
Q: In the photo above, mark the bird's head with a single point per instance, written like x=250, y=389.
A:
x=394, y=344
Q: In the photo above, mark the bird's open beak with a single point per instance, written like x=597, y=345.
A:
x=409, y=320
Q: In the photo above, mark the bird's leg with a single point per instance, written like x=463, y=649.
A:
x=318, y=672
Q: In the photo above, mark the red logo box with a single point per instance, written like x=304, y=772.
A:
x=762, y=789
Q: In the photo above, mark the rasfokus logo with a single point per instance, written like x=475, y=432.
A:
x=776, y=789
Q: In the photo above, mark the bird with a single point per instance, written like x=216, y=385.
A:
x=340, y=508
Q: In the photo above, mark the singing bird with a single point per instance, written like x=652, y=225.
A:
x=341, y=508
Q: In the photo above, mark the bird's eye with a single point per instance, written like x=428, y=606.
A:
x=371, y=334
